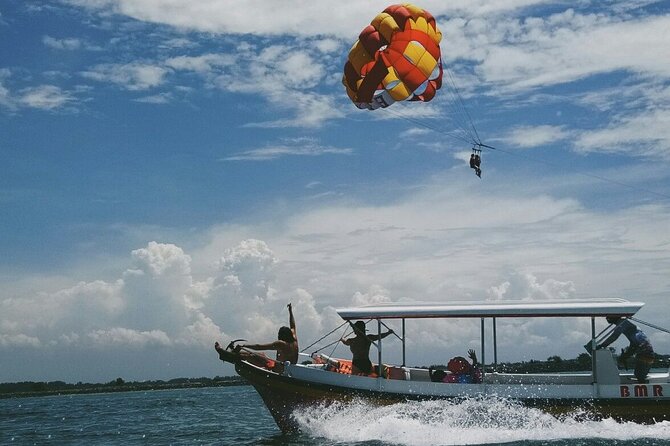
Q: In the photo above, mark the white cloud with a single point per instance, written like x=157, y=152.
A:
x=249, y=266
x=131, y=76
x=5, y=97
x=44, y=97
x=160, y=259
x=430, y=245
x=128, y=338
x=646, y=134
x=376, y=294
x=286, y=76
x=18, y=340
x=413, y=132
x=70, y=43
x=526, y=287
x=179, y=42
x=328, y=45
x=561, y=48
x=265, y=18
x=289, y=147
x=161, y=98
x=535, y=136
x=201, y=333
x=47, y=315
x=203, y=64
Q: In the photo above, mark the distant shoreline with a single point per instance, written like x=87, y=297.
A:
x=55, y=388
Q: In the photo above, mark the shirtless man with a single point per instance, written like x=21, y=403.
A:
x=360, y=348
x=286, y=344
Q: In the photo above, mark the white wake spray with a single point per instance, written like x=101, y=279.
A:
x=472, y=421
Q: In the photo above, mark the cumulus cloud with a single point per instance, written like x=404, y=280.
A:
x=375, y=295
x=157, y=302
x=430, y=245
x=160, y=259
x=526, y=287
x=48, y=315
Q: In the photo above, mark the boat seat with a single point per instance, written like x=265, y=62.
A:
x=396, y=372
x=419, y=374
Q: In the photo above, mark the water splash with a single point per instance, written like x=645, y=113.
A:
x=472, y=421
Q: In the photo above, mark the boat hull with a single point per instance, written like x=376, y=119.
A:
x=284, y=394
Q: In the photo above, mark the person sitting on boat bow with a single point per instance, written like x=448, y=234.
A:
x=360, y=348
x=286, y=345
x=639, y=345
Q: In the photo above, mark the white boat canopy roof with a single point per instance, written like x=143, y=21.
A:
x=553, y=308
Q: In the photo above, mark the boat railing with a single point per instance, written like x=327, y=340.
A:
x=582, y=378
x=607, y=372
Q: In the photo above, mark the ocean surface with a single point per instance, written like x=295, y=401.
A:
x=236, y=416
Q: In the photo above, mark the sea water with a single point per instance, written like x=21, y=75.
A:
x=237, y=416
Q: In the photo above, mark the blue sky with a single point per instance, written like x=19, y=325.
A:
x=174, y=174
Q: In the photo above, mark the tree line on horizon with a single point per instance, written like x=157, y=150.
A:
x=38, y=388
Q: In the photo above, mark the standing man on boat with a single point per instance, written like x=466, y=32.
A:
x=639, y=345
x=360, y=348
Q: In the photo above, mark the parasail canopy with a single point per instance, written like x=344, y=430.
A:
x=396, y=58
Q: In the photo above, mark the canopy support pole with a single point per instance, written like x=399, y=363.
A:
x=495, y=346
x=379, y=351
x=593, y=349
x=403, y=342
x=483, y=354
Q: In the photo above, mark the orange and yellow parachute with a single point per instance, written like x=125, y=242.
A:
x=396, y=58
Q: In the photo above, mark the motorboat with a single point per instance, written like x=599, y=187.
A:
x=604, y=391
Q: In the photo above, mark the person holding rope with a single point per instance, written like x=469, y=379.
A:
x=639, y=345
x=360, y=348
